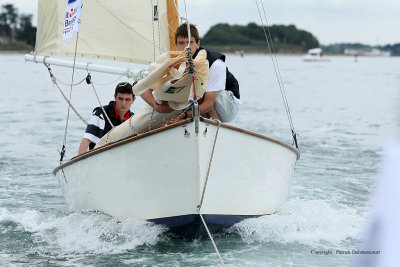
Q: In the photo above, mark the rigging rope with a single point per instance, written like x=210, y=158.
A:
x=212, y=240
x=191, y=71
x=203, y=193
x=112, y=82
x=152, y=26
x=209, y=165
x=177, y=11
x=69, y=84
x=188, y=29
x=275, y=64
x=89, y=81
x=176, y=8
x=62, y=153
x=189, y=54
x=54, y=80
x=127, y=74
x=159, y=33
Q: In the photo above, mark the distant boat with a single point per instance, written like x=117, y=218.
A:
x=315, y=54
x=375, y=52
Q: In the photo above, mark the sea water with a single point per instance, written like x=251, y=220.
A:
x=343, y=112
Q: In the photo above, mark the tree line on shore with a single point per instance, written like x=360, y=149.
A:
x=252, y=38
x=285, y=39
x=18, y=33
x=16, y=30
x=339, y=48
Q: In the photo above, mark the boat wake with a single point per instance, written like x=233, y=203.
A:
x=307, y=222
x=79, y=232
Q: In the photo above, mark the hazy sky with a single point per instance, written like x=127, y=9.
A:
x=365, y=21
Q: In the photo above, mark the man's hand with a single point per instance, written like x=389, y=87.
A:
x=149, y=98
x=163, y=107
x=176, y=117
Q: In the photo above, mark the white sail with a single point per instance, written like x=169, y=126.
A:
x=123, y=30
x=194, y=152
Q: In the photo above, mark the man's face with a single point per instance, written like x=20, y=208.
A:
x=123, y=102
x=182, y=42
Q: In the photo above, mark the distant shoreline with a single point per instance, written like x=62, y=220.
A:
x=226, y=52
x=14, y=52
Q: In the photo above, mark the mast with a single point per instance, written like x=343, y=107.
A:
x=173, y=21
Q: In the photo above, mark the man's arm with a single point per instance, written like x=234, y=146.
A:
x=83, y=147
x=207, y=107
x=149, y=98
x=216, y=82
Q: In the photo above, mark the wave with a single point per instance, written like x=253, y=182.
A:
x=80, y=232
x=308, y=222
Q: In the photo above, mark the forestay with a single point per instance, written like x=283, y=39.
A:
x=123, y=30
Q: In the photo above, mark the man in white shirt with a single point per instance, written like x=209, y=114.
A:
x=217, y=102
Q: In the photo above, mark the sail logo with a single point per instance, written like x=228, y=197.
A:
x=174, y=90
x=70, y=14
x=72, y=19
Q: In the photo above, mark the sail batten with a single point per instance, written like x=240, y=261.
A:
x=121, y=30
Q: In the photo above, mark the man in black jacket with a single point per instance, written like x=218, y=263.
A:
x=117, y=112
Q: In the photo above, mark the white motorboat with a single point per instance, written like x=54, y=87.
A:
x=173, y=174
x=315, y=55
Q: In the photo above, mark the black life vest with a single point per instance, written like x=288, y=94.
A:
x=231, y=83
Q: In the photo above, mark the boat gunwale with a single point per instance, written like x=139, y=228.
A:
x=228, y=126
x=167, y=127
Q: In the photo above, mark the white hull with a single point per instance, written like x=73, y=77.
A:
x=315, y=58
x=315, y=55
x=250, y=175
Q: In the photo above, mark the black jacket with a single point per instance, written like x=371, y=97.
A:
x=107, y=126
x=231, y=84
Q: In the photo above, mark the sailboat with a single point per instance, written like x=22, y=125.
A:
x=193, y=172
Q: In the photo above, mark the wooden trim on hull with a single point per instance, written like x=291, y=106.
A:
x=161, y=129
x=119, y=143
x=254, y=134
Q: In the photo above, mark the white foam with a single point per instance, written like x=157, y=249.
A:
x=84, y=232
x=5, y=259
x=29, y=219
x=307, y=222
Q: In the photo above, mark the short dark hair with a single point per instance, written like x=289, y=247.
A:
x=182, y=31
x=124, y=88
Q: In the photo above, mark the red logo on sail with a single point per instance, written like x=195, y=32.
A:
x=72, y=19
